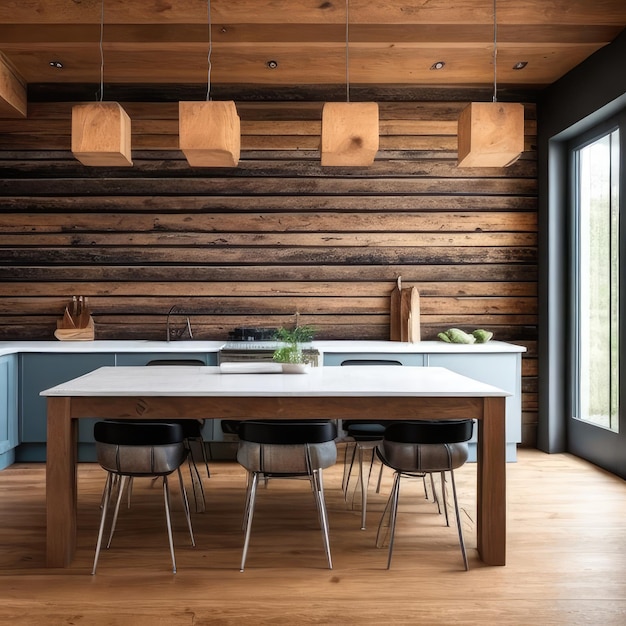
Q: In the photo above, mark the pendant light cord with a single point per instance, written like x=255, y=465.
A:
x=495, y=52
x=347, y=51
x=208, y=77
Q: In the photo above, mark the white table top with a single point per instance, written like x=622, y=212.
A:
x=320, y=381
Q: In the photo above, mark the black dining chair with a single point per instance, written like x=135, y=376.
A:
x=362, y=439
x=286, y=449
x=131, y=449
x=423, y=448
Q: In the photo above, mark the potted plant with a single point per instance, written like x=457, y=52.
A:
x=290, y=353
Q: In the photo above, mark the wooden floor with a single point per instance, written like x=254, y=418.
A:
x=566, y=555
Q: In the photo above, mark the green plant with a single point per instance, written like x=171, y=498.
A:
x=291, y=351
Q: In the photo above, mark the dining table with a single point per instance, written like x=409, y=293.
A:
x=254, y=392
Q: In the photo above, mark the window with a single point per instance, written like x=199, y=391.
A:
x=595, y=310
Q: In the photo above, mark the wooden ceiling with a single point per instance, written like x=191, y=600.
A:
x=393, y=44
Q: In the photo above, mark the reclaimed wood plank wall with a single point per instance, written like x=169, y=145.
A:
x=275, y=237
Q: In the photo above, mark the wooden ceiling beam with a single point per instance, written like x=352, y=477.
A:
x=17, y=36
x=312, y=11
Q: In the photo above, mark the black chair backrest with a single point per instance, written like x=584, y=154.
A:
x=430, y=431
x=287, y=432
x=176, y=362
x=370, y=362
x=137, y=433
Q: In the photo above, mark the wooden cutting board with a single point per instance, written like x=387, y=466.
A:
x=394, y=312
x=413, y=323
x=410, y=315
x=404, y=314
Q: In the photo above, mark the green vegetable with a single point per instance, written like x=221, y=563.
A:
x=482, y=336
x=455, y=335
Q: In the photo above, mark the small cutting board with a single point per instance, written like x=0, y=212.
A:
x=394, y=312
x=410, y=315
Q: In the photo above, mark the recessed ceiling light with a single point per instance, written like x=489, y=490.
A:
x=57, y=64
x=438, y=65
x=520, y=65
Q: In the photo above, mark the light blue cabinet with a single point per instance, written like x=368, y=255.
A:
x=8, y=409
x=39, y=371
x=500, y=369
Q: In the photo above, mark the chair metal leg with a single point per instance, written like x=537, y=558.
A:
x=380, y=540
x=249, y=513
x=166, y=500
x=320, y=501
x=183, y=495
x=444, y=496
x=204, y=456
x=347, y=468
x=249, y=477
x=393, y=514
x=363, y=484
x=121, y=485
x=106, y=495
x=380, y=472
x=458, y=522
x=196, y=483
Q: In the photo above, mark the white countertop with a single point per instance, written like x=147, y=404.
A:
x=431, y=347
x=319, y=381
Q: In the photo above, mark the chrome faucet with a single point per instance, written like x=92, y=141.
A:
x=172, y=333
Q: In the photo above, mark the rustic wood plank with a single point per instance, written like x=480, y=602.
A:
x=483, y=274
x=270, y=222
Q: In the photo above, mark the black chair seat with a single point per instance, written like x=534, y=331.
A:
x=287, y=432
x=430, y=431
x=364, y=431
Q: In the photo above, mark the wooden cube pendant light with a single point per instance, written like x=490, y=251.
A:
x=209, y=133
x=101, y=134
x=13, y=100
x=490, y=134
x=349, y=133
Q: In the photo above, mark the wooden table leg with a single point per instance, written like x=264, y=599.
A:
x=61, y=488
x=491, y=485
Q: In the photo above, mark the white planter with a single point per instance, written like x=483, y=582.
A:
x=296, y=368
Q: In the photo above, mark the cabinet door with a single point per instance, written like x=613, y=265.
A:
x=499, y=370
x=8, y=409
x=41, y=371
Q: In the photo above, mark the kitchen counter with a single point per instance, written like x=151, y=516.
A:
x=28, y=367
x=433, y=347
